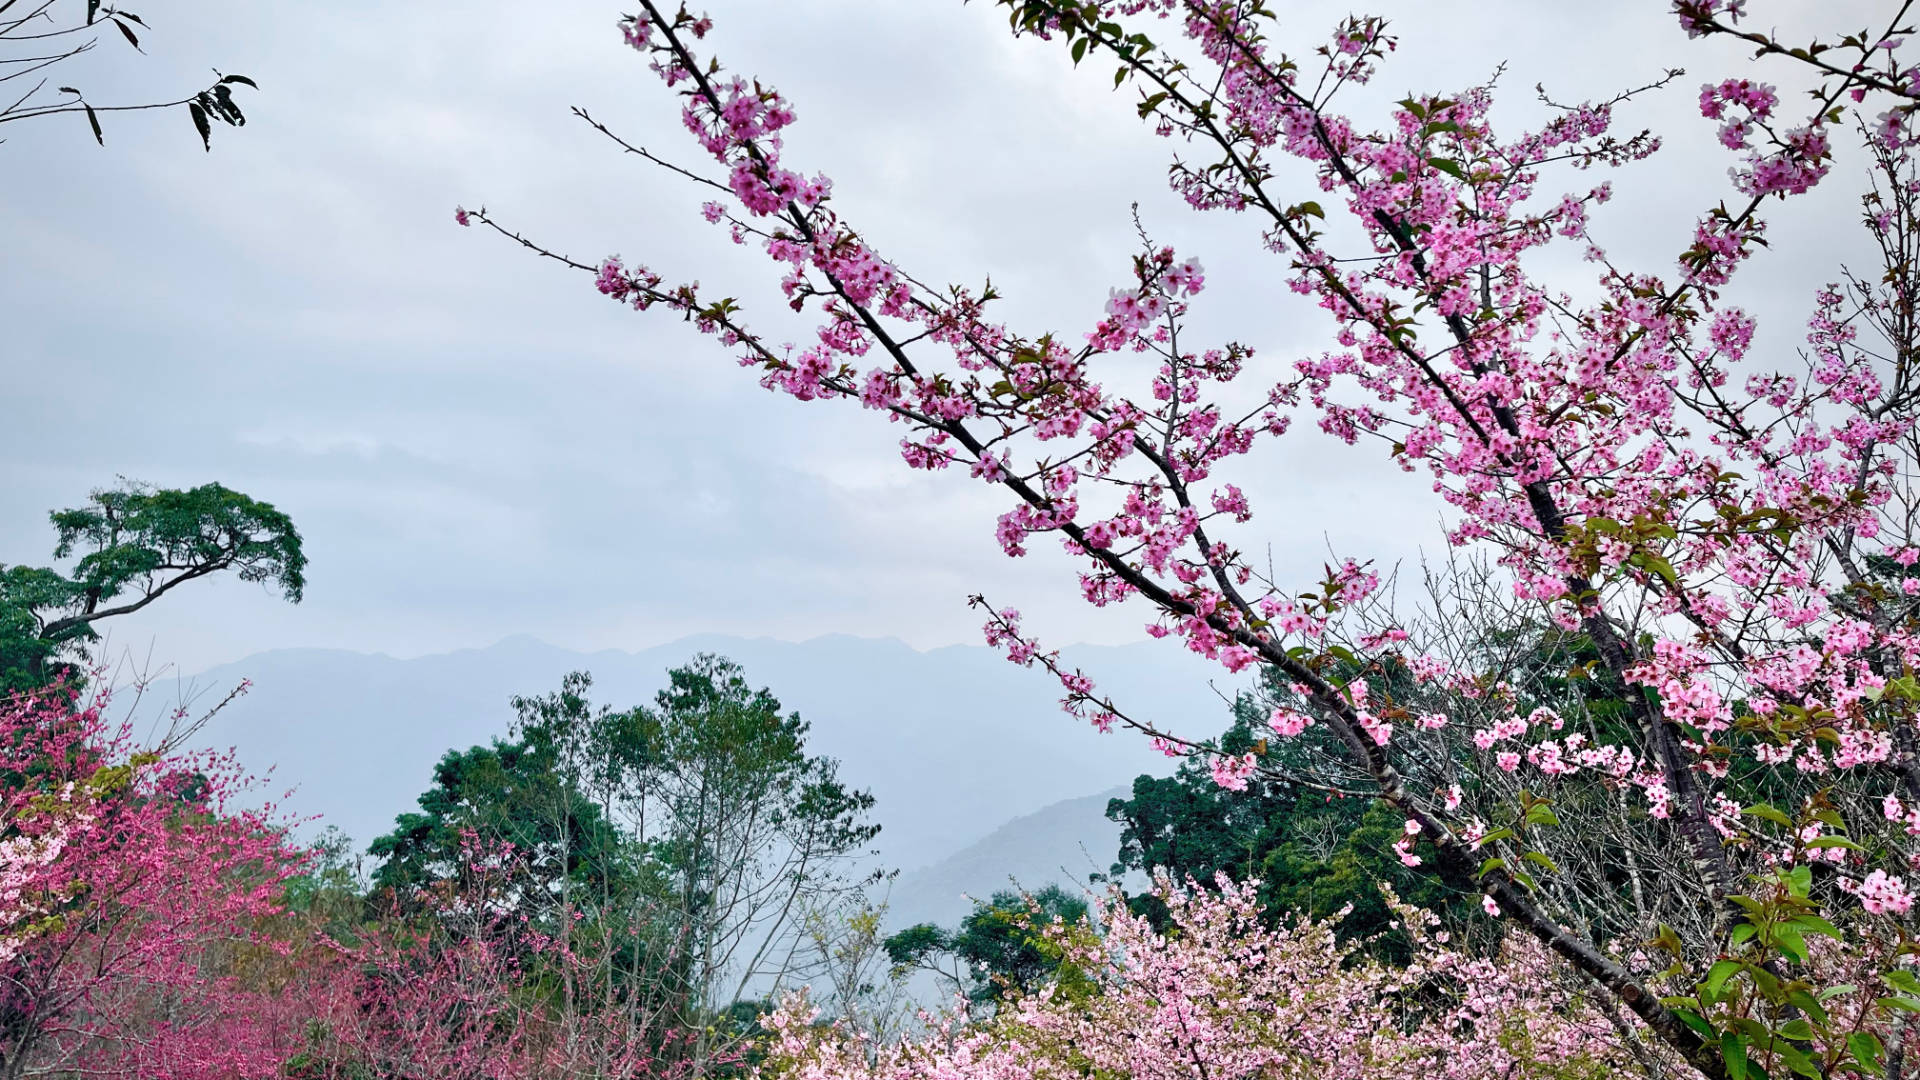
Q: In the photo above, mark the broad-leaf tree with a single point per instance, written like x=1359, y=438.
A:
x=752, y=830
x=129, y=546
x=1312, y=853
x=508, y=793
x=1000, y=950
x=683, y=844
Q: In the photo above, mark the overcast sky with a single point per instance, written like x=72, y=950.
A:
x=475, y=444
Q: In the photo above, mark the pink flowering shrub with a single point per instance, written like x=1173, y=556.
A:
x=466, y=987
x=1720, y=544
x=1223, y=996
x=130, y=885
x=145, y=931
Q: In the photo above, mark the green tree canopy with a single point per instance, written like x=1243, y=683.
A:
x=503, y=792
x=131, y=545
x=1312, y=851
x=998, y=948
x=694, y=833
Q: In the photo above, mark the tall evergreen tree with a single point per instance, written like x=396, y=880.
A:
x=131, y=545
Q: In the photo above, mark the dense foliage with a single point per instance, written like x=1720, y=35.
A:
x=134, y=897
x=998, y=951
x=603, y=895
x=675, y=851
x=1308, y=851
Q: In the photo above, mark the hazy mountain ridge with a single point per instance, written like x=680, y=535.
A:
x=952, y=742
x=1059, y=844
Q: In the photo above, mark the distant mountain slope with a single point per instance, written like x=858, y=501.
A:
x=1056, y=845
x=952, y=742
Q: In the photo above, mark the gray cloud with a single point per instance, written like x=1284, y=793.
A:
x=476, y=444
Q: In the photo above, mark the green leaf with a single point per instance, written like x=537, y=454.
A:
x=1866, y=1049
x=127, y=32
x=95, y=121
x=1491, y=864
x=200, y=124
x=1718, y=975
x=1767, y=813
x=1451, y=168
x=1805, y=1002
x=1647, y=560
x=1797, y=1060
x=1542, y=814
x=1791, y=942
x=1800, y=879
x=1796, y=1029
x=1691, y=1019
x=1733, y=1048
x=1815, y=924
x=1902, y=980
x=241, y=79
x=1834, y=842
x=1541, y=861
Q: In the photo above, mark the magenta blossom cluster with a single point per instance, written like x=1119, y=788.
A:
x=1731, y=539
x=1219, y=994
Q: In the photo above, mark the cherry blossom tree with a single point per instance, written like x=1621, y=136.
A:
x=132, y=885
x=1222, y=995
x=468, y=986
x=1723, y=545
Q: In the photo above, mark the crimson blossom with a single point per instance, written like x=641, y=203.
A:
x=468, y=988
x=1722, y=549
x=132, y=891
x=415, y=1006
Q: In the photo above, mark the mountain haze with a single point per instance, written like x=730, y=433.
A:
x=1056, y=845
x=953, y=742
